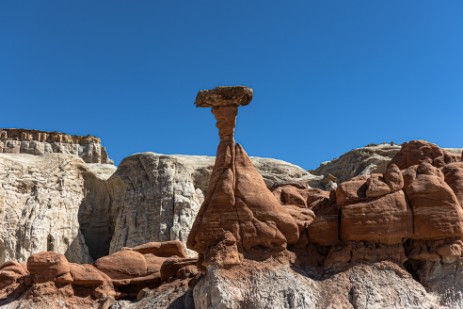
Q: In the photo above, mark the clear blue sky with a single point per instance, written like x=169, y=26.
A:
x=328, y=76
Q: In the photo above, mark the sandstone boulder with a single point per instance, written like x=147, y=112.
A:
x=437, y=213
x=387, y=220
x=122, y=265
x=394, y=178
x=377, y=186
x=162, y=249
x=47, y=266
x=453, y=173
x=352, y=191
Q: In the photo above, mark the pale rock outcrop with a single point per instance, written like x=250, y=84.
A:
x=374, y=286
x=35, y=142
x=373, y=158
x=362, y=161
x=40, y=198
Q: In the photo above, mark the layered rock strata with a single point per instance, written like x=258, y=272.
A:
x=88, y=148
x=41, y=198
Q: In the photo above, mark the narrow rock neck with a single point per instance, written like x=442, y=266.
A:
x=226, y=122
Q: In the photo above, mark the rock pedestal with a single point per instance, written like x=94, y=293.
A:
x=240, y=217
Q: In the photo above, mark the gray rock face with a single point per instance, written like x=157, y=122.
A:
x=358, y=162
x=40, y=197
x=88, y=148
x=379, y=285
x=366, y=160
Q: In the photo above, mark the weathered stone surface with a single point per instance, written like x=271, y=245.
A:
x=387, y=219
x=362, y=161
x=40, y=201
x=124, y=264
x=417, y=151
x=377, y=186
x=87, y=275
x=178, y=268
x=47, y=266
x=453, y=173
x=437, y=214
x=352, y=191
x=162, y=249
x=88, y=148
x=324, y=230
x=224, y=96
x=394, y=178
x=378, y=285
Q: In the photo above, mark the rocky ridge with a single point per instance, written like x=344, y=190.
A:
x=35, y=142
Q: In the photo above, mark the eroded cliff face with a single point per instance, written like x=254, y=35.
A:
x=40, y=198
x=35, y=142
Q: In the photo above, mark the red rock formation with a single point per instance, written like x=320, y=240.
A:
x=416, y=152
x=239, y=212
x=387, y=220
x=437, y=214
x=120, y=275
x=319, y=210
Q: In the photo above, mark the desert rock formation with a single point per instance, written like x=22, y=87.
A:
x=49, y=280
x=40, y=142
x=40, y=201
x=373, y=231
x=239, y=217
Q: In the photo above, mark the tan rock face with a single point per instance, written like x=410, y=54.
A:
x=41, y=198
x=88, y=148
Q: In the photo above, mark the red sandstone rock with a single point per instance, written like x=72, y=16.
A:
x=417, y=151
x=453, y=174
x=291, y=195
x=123, y=265
x=377, y=186
x=178, y=268
x=387, y=220
x=324, y=230
x=436, y=211
x=161, y=249
x=12, y=276
x=352, y=191
x=47, y=266
x=394, y=178
x=238, y=200
x=87, y=275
